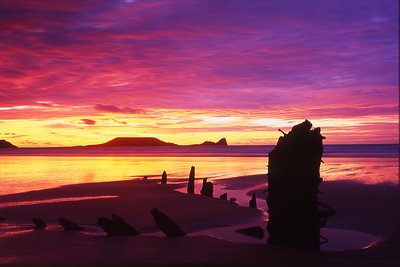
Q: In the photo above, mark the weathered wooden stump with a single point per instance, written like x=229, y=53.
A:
x=293, y=180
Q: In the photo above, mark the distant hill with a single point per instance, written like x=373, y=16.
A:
x=5, y=144
x=149, y=141
x=133, y=141
x=221, y=142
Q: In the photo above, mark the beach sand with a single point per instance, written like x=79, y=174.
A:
x=133, y=200
x=373, y=208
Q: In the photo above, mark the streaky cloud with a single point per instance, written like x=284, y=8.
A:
x=116, y=109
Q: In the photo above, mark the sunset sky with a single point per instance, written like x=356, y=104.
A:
x=81, y=72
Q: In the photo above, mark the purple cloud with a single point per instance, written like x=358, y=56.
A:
x=192, y=54
x=115, y=109
x=318, y=58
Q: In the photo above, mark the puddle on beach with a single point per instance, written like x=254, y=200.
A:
x=7, y=259
x=7, y=229
x=51, y=200
x=339, y=239
x=228, y=233
x=343, y=239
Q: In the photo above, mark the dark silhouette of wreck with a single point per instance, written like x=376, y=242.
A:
x=224, y=196
x=293, y=180
x=164, y=177
x=256, y=232
x=253, y=201
x=116, y=226
x=190, y=187
x=69, y=226
x=207, y=189
x=166, y=224
x=38, y=224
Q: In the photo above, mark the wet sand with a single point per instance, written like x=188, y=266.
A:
x=133, y=202
x=372, y=208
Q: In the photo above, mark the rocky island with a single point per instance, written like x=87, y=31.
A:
x=221, y=142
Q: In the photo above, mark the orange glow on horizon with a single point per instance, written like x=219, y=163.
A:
x=188, y=127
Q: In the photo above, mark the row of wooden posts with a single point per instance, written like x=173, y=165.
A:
x=207, y=188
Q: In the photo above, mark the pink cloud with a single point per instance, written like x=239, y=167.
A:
x=318, y=59
x=120, y=122
x=88, y=121
x=115, y=109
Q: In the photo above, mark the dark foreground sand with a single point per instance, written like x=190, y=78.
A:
x=371, y=208
x=193, y=213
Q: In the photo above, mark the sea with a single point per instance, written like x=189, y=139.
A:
x=26, y=169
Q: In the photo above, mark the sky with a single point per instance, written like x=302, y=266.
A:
x=85, y=71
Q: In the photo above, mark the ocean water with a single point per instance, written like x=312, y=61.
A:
x=31, y=169
x=388, y=150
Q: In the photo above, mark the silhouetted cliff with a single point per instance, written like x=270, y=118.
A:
x=5, y=144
